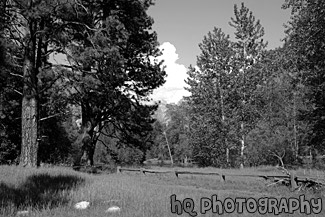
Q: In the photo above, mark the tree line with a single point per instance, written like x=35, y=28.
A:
x=249, y=105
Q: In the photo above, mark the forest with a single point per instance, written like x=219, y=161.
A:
x=248, y=106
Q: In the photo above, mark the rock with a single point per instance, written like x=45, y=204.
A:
x=82, y=205
x=113, y=209
x=22, y=213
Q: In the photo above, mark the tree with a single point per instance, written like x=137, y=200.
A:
x=305, y=40
x=170, y=131
x=164, y=119
x=225, y=85
x=34, y=29
x=178, y=131
x=10, y=93
x=111, y=68
x=281, y=99
x=209, y=108
x=109, y=46
x=248, y=47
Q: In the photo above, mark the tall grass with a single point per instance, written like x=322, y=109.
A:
x=54, y=191
x=35, y=189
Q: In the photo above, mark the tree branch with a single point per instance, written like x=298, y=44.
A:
x=281, y=161
x=17, y=75
x=78, y=3
x=51, y=116
x=82, y=24
x=16, y=91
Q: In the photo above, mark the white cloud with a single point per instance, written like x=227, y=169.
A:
x=173, y=90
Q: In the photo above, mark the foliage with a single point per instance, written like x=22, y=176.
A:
x=10, y=103
x=110, y=72
x=223, y=101
x=306, y=44
x=171, y=120
x=208, y=107
x=112, y=69
x=280, y=103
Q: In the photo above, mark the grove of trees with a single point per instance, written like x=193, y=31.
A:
x=248, y=105
x=110, y=71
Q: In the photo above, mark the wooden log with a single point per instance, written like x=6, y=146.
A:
x=130, y=169
x=197, y=173
x=159, y=172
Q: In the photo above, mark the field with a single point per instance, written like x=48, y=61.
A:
x=55, y=191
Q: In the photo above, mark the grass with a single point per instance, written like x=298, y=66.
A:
x=54, y=191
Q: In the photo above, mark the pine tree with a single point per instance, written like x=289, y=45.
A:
x=112, y=72
x=208, y=113
x=33, y=28
x=249, y=48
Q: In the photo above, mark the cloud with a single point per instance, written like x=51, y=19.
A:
x=173, y=90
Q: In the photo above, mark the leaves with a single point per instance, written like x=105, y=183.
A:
x=305, y=42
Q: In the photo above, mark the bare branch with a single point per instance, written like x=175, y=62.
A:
x=20, y=93
x=101, y=141
x=17, y=75
x=78, y=3
x=279, y=157
x=81, y=24
x=51, y=116
x=281, y=161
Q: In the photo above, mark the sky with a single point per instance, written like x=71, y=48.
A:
x=182, y=24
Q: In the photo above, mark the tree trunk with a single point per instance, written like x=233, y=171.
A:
x=170, y=153
x=296, y=150
x=91, y=152
x=29, y=145
x=242, y=146
x=243, y=109
x=90, y=149
x=88, y=142
x=223, y=118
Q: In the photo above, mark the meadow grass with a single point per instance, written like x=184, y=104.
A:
x=54, y=191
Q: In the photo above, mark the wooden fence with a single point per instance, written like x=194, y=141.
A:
x=294, y=181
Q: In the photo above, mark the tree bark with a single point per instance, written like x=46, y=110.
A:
x=88, y=142
x=29, y=145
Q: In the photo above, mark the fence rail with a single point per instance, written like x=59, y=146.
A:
x=290, y=179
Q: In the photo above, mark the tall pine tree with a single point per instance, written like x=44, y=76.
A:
x=208, y=113
x=248, y=46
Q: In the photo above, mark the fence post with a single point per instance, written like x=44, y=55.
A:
x=222, y=178
x=293, y=181
x=118, y=169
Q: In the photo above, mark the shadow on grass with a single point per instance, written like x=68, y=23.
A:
x=39, y=191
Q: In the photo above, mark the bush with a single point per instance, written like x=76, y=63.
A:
x=130, y=156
